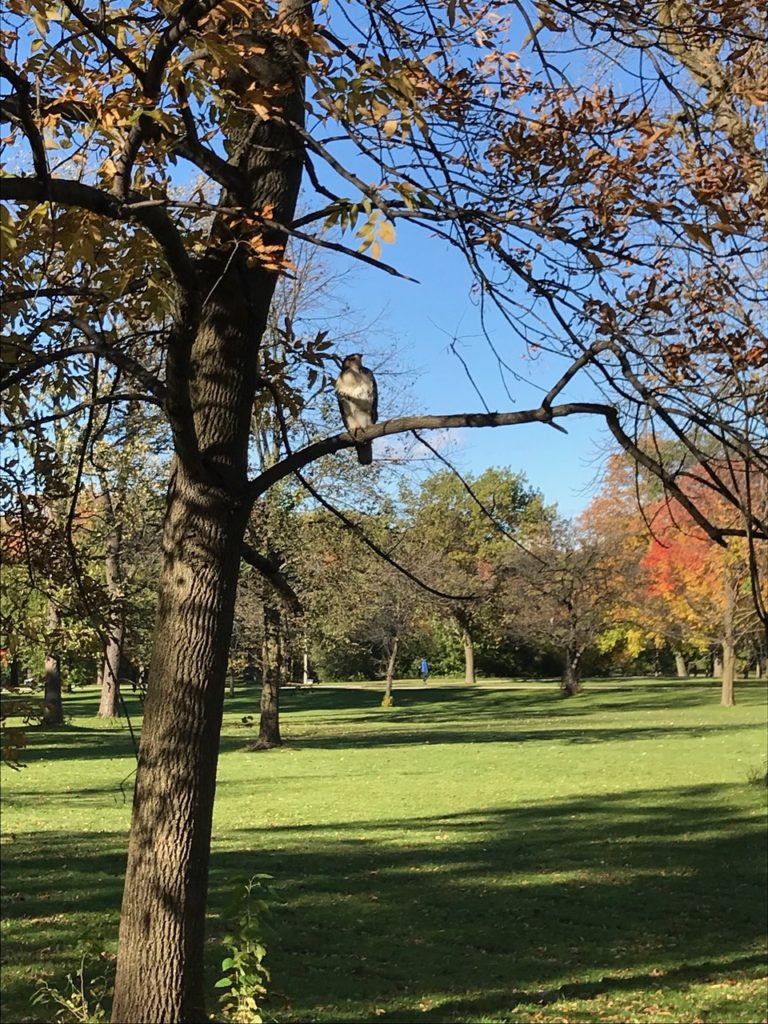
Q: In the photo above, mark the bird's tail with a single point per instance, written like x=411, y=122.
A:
x=365, y=453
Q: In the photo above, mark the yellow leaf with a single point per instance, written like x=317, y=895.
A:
x=387, y=232
x=390, y=127
x=41, y=22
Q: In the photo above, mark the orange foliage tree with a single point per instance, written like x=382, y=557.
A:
x=705, y=588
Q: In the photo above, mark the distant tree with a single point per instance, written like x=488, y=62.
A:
x=708, y=586
x=466, y=528
x=560, y=593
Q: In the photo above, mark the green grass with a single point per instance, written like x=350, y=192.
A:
x=483, y=854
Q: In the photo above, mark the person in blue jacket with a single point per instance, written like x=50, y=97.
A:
x=424, y=670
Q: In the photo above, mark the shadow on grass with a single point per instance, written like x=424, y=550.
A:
x=74, y=742
x=550, y=901
x=446, y=703
x=353, y=719
x=436, y=735
x=487, y=716
x=452, y=916
x=677, y=978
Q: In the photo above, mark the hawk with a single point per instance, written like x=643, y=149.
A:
x=358, y=401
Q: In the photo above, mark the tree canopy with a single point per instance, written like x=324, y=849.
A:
x=598, y=166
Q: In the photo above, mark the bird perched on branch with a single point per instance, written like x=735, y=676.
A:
x=358, y=401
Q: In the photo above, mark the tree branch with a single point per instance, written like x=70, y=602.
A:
x=329, y=445
x=377, y=550
x=104, y=39
x=99, y=348
x=73, y=193
x=27, y=121
x=272, y=574
x=73, y=410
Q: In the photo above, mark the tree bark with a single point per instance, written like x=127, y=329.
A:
x=469, y=656
x=160, y=965
x=570, y=684
x=727, y=699
x=109, y=705
x=162, y=929
x=272, y=669
x=213, y=383
x=53, y=708
x=680, y=666
x=391, y=662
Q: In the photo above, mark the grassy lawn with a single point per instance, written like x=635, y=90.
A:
x=472, y=854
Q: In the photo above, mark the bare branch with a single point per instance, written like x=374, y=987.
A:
x=97, y=347
x=27, y=121
x=73, y=410
x=357, y=530
x=402, y=424
x=470, y=491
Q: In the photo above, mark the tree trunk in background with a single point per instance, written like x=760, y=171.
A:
x=391, y=662
x=272, y=669
x=469, y=656
x=570, y=684
x=109, y=705
x=680, y=666
x=717, y=666
x=729, y=649
x=53, y=708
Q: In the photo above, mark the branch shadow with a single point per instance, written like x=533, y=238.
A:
x=449, y=917
x=483, y=910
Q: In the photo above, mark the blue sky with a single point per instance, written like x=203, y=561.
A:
x=422, y=320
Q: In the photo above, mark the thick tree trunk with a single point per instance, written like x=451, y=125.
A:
x=211, y=381
x=570, y=684
x=53, y=708
x=272, y=662
x=680, y=666
x=729, y=649
x=162, y=928
x=160, y=964
x=469, y=656
x=391, y=662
